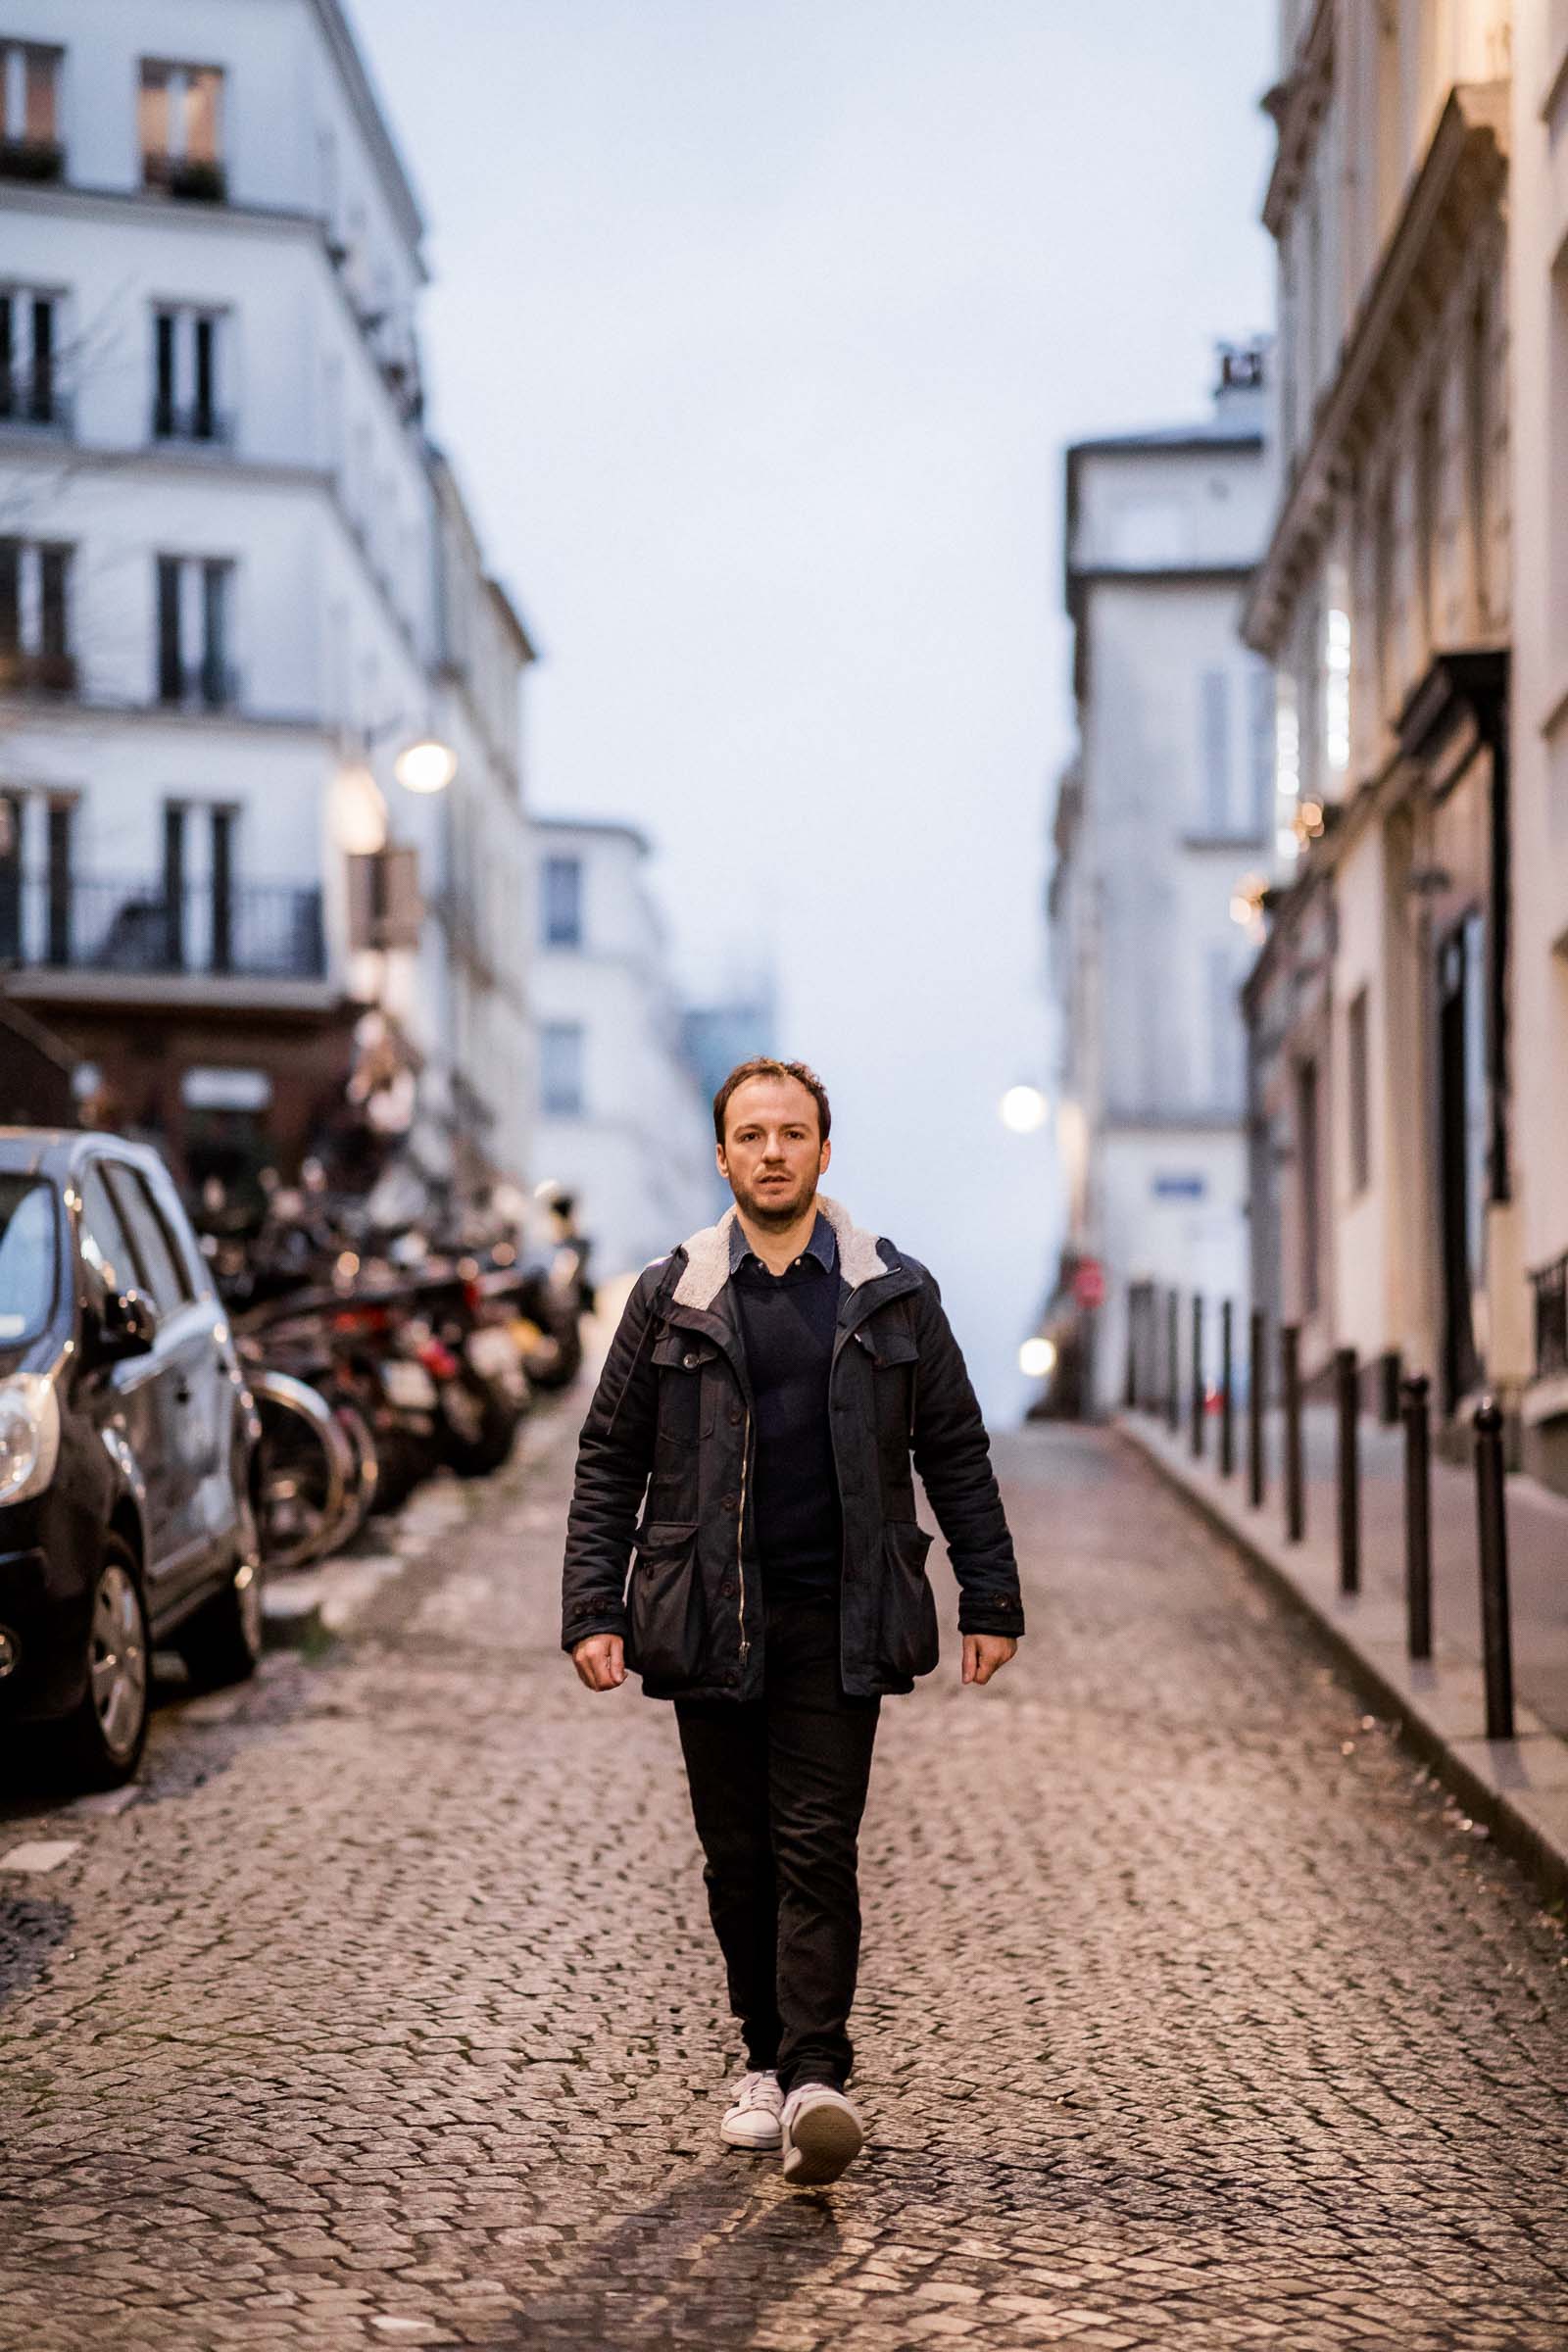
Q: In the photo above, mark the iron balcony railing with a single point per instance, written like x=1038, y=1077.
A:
x=253, y=930
x=30, y=396
x=31, y=159
x=206, y=685
x=1551, y=1285
x=36, y=673
x=196, y=178
x=193, y=420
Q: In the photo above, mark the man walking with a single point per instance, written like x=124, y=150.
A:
x=765, y=1392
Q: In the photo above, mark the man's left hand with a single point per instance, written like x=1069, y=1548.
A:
x=985, y=1653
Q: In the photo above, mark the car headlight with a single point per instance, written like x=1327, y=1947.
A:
x=29, y=1435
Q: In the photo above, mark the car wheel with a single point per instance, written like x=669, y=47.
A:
x=105, y=1737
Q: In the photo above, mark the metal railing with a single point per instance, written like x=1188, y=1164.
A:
x=192, y=420
x=31, y=397
x=1551, y=1286
x=253, y=930
x=36, y=673
x=31, y=159
x=207, y=685
x=1154, y=1386
x=200, y=180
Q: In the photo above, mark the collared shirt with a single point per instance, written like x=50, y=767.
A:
x=787, y=1324
x=823, y=1244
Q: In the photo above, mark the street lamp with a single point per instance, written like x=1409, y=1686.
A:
x=1037, y=1358
x=1024, y=1109
x=425, y=766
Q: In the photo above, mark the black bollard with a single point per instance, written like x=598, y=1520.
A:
x=1227, y=1424
x=1173, y=1372
x=1491, y=1525
x=1415, y=1393
x=1348, y=1398
x=1199, y=1398
x=1257, y=1383
x=1291, y=1383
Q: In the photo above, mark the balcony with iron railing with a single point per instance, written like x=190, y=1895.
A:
x=194, y=423
x=27, y=673
x=208, y=929
x=200, y=180
x=30, y=398
x=210, y=684
x=31, y=159
x=1551, y=1286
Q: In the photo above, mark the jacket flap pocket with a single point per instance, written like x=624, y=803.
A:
x=890, y=1346
x=682, y=1352
x=657, y=1536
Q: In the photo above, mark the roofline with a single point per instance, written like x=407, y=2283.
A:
x=592, y=824
x=1165, y=443
x=346, y=54
x=513, y=620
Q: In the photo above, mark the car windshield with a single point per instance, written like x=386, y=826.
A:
x=27, y=1247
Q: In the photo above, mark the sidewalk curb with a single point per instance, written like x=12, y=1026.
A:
x=1535, y=1765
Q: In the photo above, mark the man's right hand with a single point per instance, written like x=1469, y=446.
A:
x=600, y=1661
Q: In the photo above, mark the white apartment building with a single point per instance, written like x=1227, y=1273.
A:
x=1538, y=303
x=623, y=1121
x=234, y=583
x=1166, y=814
x=1388, y=1162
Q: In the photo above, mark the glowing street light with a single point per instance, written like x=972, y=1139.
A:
x=1037, y=1358
x=1024, y=1109
x=425, y=766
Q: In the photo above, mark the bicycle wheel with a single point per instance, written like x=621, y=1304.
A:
x=303, y=1466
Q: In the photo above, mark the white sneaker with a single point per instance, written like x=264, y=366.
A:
x=823, y=2135
x=751, y=2121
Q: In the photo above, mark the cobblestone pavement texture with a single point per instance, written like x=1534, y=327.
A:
x=1191, y=2016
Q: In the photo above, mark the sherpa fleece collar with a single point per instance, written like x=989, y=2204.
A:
x=707, y=1268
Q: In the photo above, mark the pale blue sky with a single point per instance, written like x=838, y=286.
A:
x=758, y=329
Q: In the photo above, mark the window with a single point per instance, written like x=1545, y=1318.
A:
x=560, y=1059
x=1478, y=422
x=193, y=601
x=1428, y=476
x=1224, y=1030
x=104, y=1242
x=1214, y=749
x=1359, y=1074
x=1263, y=750
x=27, y=1255
x=180, y=117
x=29, y=111
x=185, y=357
x=1309, y=1194
x=562, y=883
x=35, y=615
x=164, y=1278
x=30, y=341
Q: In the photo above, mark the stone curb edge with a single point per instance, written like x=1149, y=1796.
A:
x=1541, y=1854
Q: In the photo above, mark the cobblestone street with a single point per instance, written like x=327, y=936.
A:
x=388, y=2013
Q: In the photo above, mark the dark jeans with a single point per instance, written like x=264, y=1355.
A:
x=778, y=1787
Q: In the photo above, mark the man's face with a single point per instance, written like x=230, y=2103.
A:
x=771, y=1156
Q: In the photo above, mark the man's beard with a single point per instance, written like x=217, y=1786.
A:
x=775, y=1208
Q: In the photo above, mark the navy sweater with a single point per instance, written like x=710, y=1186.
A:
x=787, y=1323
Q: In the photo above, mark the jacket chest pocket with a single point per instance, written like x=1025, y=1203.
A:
x=892, y=1354
x=681, y=1361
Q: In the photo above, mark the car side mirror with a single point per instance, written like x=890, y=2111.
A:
x=127, y=1326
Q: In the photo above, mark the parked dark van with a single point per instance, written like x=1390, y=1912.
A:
x=125, y=1437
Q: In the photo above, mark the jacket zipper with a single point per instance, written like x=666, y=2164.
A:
x=740, y=1530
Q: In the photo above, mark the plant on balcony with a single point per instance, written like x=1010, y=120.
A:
x=194, y=178
x=31, y=159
